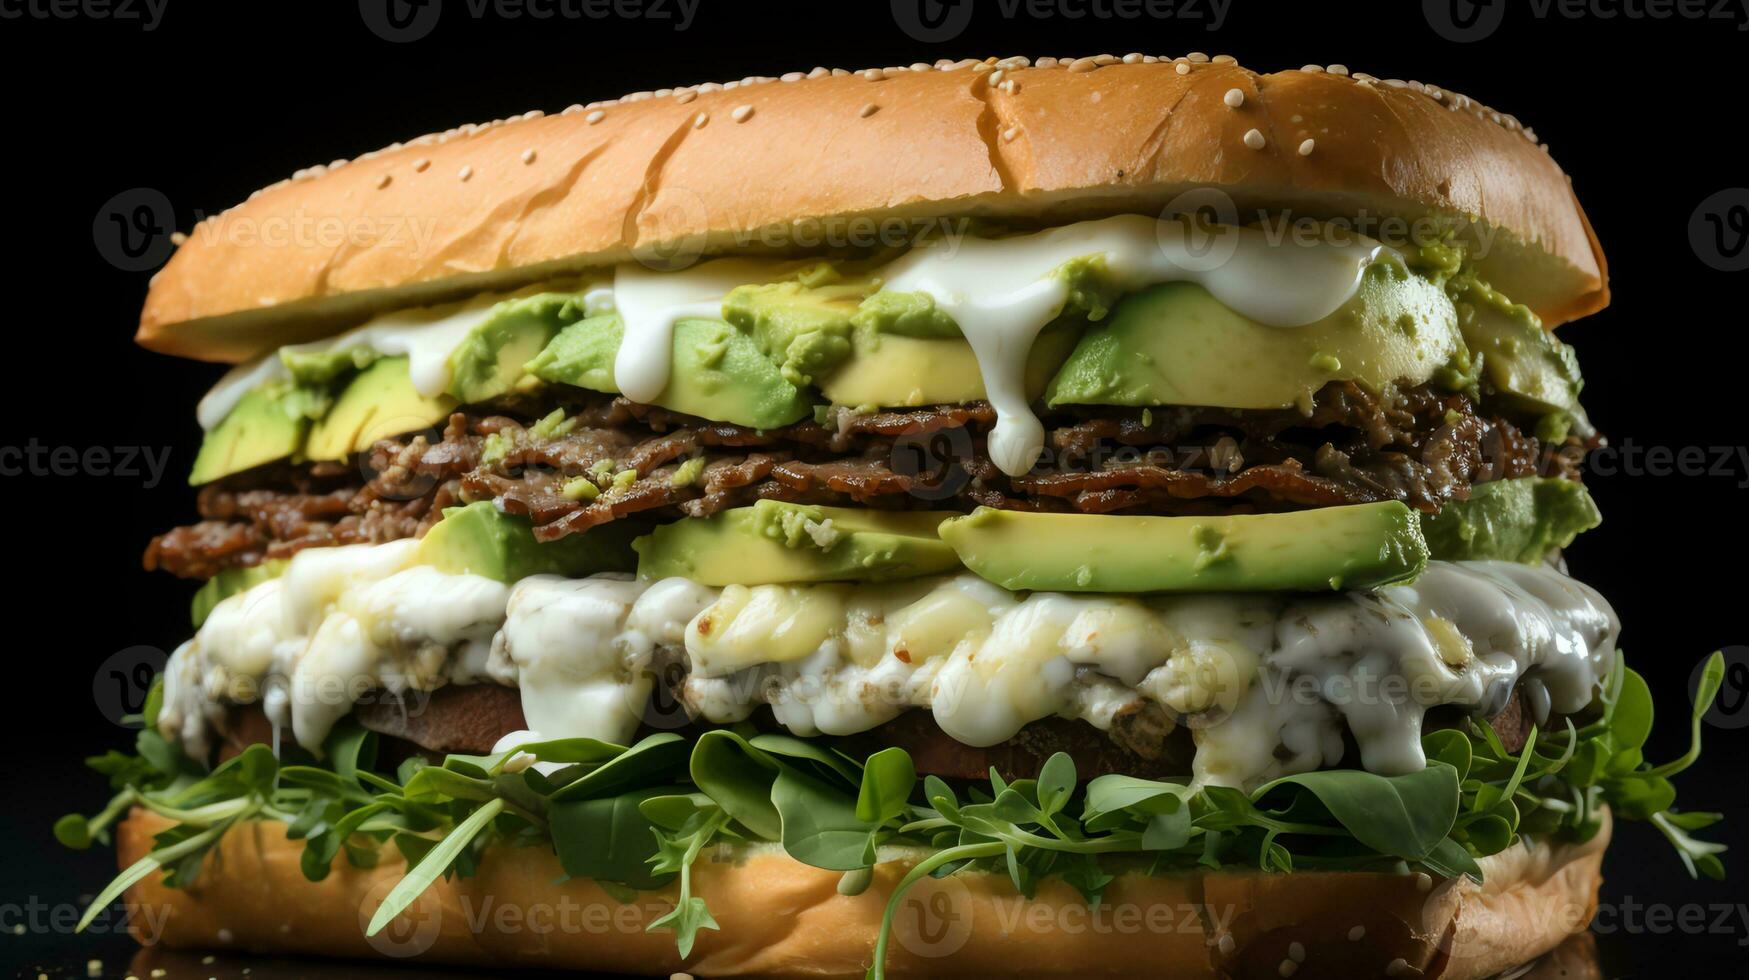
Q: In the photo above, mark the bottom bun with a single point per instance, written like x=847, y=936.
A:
x=780, y=918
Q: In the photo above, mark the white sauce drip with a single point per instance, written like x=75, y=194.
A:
x=1268, y=683
x=1001, y=292
x=650, y=303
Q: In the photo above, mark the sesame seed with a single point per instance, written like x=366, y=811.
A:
x=465, y=172
x=869, y=110
x=699, y=121
x=1312, y=69
x=528, y=155
x=791, y=76
x=1197, y=57
x=997, y=76
x=1103, y=60
x=1337, y=69
x=177, y=238
x=1254, y=139
x=685, y=95
x=1010, y=86
x=421, y=165
x=1009, y=134
x=595, y=117
x=921, y=66
x=1227, y=944
x=1225, y=59
x=1356, y=934
x=1296, y=952
x=742, y=113
x=1080, y=65
x=1307, y=147
x=1423, y=881
x=383, y=181
x=1288, y=968
x=873, y=75
x=1183, y=69
x=1397, y=967
x=1234, y=98
x=1132, y=58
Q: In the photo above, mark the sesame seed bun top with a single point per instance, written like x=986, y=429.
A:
x=767, y=163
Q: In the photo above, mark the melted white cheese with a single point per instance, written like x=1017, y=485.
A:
x=1268, y=683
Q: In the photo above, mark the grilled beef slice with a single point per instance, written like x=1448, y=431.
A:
x=1352, y=446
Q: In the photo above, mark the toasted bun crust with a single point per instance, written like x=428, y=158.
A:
x=736, y=167
x=784, y=919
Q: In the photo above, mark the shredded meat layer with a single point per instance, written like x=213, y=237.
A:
x=1351, y=446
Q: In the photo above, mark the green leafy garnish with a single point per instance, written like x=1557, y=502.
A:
x=638, y=817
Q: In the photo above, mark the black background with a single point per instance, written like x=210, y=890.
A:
x=219, y=99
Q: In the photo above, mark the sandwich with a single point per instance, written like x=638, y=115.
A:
x=1004, y=517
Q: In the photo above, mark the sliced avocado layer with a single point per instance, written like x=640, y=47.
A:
x=892, y=370
x=1329, y=549
x=718, y=372
x=1175, y=344
x=379, y=403
x=1518, y=520
x=230, y=582
x=266, y=425
x=490, y=361
x=1536, y=373
x=774, y=542
x=481, y=540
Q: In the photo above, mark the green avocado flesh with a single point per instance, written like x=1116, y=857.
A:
x=490, y=361
x=479, y=539
x=772, y=542
x=1175, y=344
x=262, y=428
x=1333, y=548
x=1525, y=364
x=1518, y=520
x=378, y=403
x=783, y=348
x=230, y=582
x=718, y=372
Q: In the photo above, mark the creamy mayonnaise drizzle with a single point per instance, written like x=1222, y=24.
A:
x=1268, y=683
x=1001, y=292
x=426, y=336
x=649, y=303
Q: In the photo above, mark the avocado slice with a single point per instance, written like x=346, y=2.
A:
x=266, y=425
x=1518, y=520
x=804, y=330
x=1331, y=548
x=479, y=539
x=1533, y=372
x=718, y=372
x=774, y=542
x=892, y=370
x=489, y=362
x=378, y=403
x=230, y=582
x=1175, y=344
